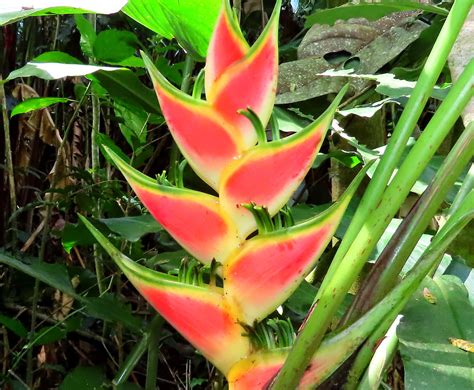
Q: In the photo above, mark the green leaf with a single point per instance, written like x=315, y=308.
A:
x=130, y=228
x=123, y=84
x=301, y=300
x=464, y=272
x=114, y=45
x=105, y=140
x=349, y=159
x=191, y=22
x=54, y=275
x=14, y=325
x=132, y=124
x=133, y=228
x=369, y=10
x=84, y=378
x=430, y=361
x=88, y=35
x=48, y=335
x=57, y=56
x=288, y=121
x=36, y=104
x=427, y=175
x=20, y=9
x=108, y=308
x=75, y=234
x=368, y=110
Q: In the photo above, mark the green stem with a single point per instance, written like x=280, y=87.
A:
x=153, y=352
x=9, y=163
x=466, y=187
x=95, y=164
x=366, y=352
x=404, y=128
x=377, y=320
x=185, y=87
x=364, y=226
x=149, y=338
x=384, y=274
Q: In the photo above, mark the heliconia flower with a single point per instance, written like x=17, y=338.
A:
x=269, y=173
x=194, y=219
x=200, y=314
x=258, y=370
x=227, y=46
x=249, y=82
x=218, y=138
x=268, y=268
x=208, y=141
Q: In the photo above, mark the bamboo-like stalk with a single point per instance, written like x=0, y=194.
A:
x=9, y=163
x=153, y=352
x=149, y=340
x=354, y=249
x=95, y=164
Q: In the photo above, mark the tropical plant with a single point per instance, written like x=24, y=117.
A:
x=246, y=262
x=217, y=137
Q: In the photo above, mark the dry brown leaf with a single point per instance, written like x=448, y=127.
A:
x=465, y=345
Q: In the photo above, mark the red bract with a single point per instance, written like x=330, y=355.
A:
x=220, y=144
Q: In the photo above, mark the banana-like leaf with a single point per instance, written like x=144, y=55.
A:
x=269, y=173
x=269, y=267
x=200, y=314
x=206, y=139
x=226, y=47
x=194, y=219
x=250, y=82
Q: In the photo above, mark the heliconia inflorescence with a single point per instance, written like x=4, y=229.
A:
x=254, y=179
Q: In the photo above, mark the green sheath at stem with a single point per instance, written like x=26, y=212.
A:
x=153, y=351
x=368, y=225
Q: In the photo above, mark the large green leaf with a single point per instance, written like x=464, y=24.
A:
x=430, y=361
x=129, y=228
x=369, y=10
x=132, y=228
x=99, y=307
x=19, y=9
x=191, y=22
x=84, y=378
x=123, y=84
x=54, y=275
x=114, y=45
